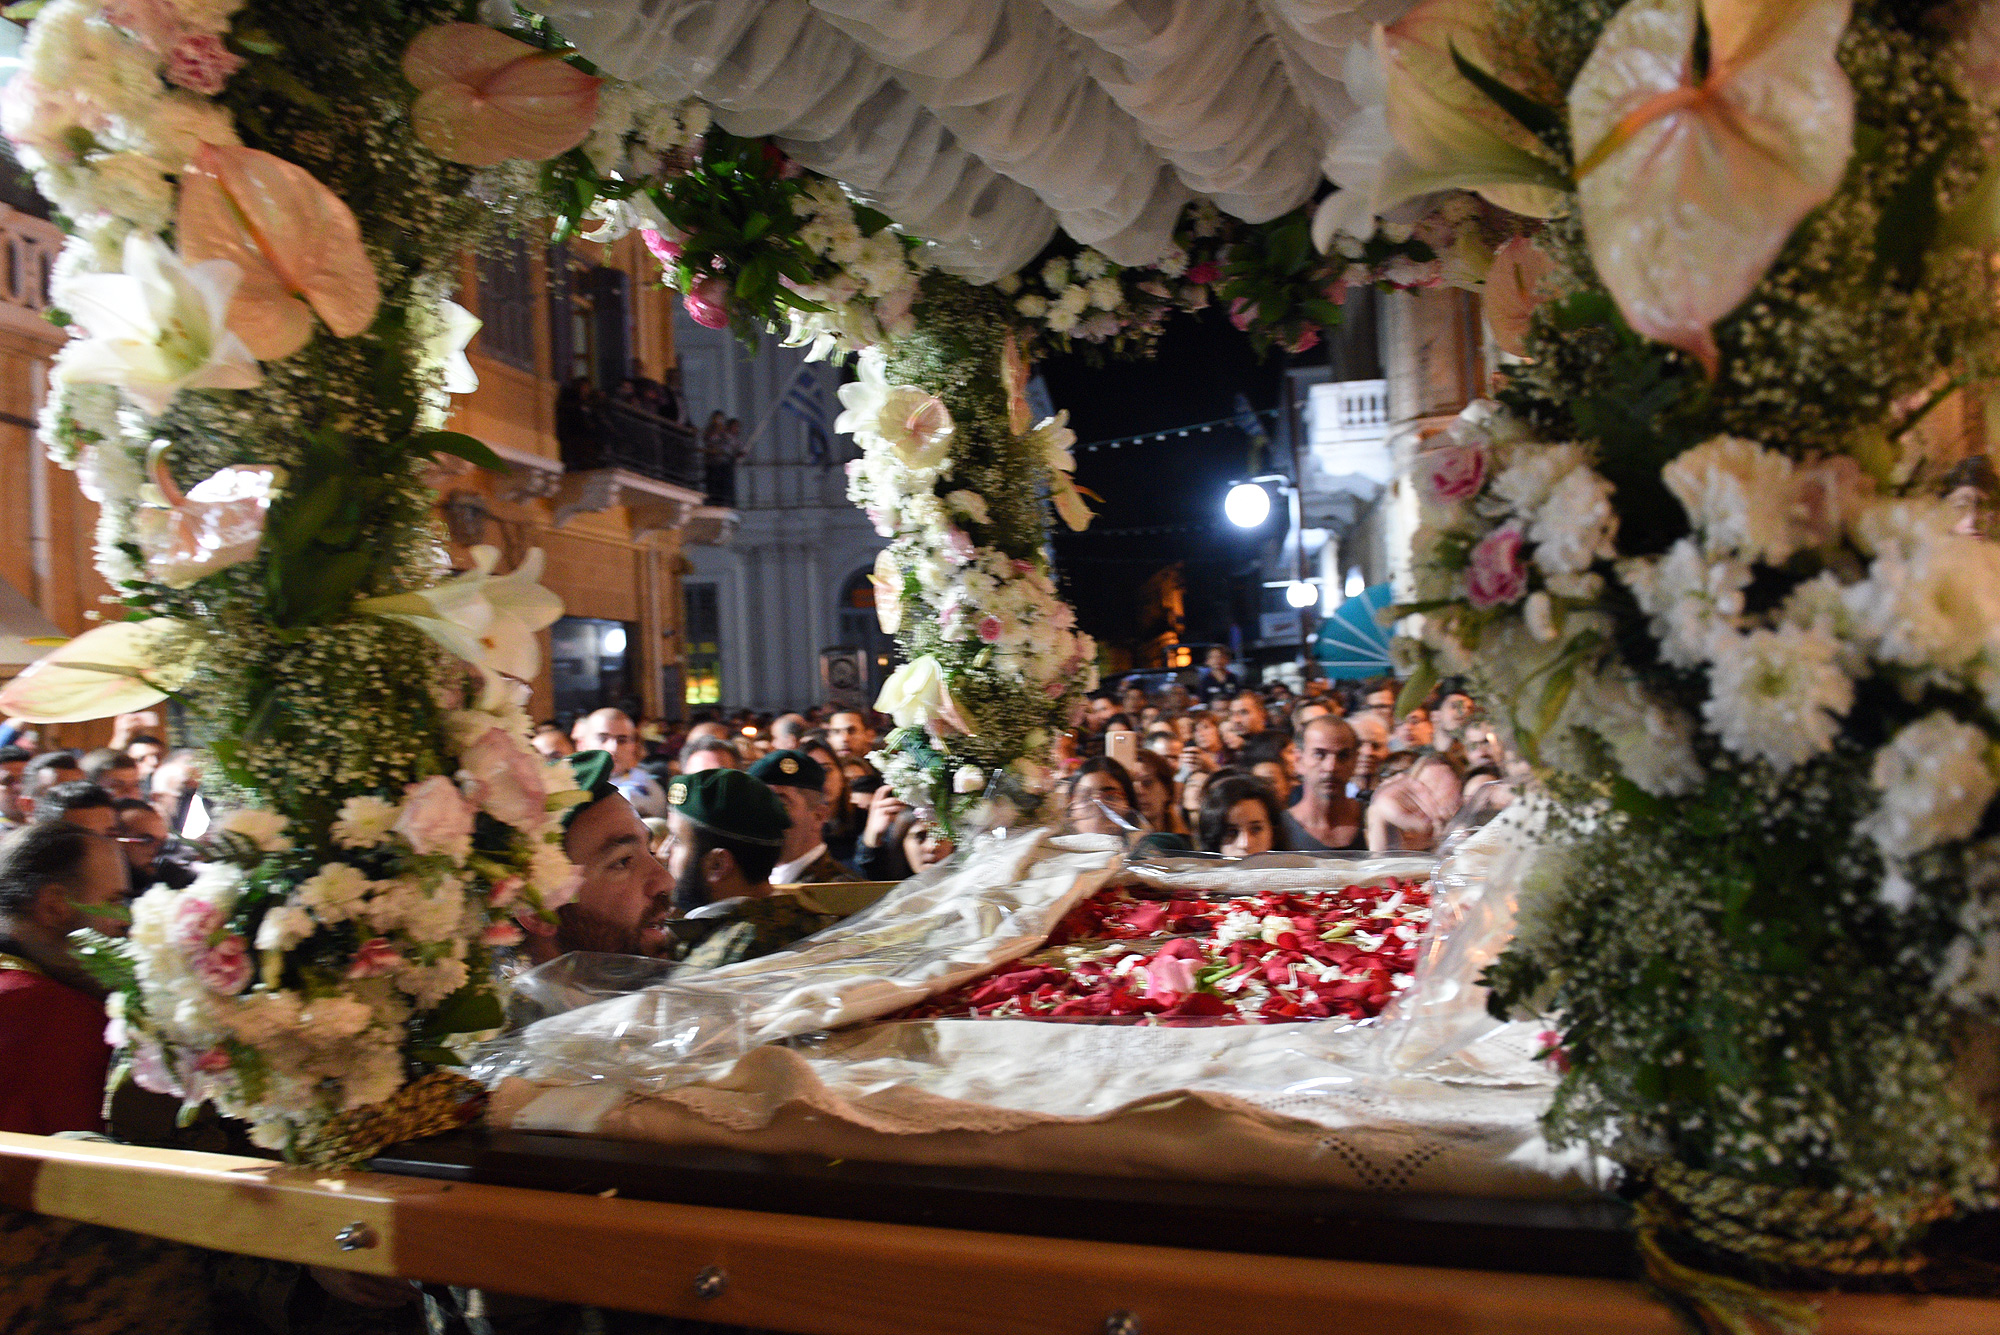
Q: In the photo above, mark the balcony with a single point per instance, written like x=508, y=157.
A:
x=1349, y=424
x=616, y=436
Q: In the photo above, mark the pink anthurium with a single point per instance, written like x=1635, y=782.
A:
x=1014, y=376
x=99, y=673
x=217, y=523
x=483, y=97
x=1690, y=182
x=1515, y=286
x=295, y=240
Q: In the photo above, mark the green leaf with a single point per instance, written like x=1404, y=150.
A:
x=1421, y=683
x=470, y=1009
x=299, y=523
x=434, y=1054
x=457, y=443
x=1533, y=117
x=756, y=226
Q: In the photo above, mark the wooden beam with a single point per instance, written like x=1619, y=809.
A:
x=819, y=1276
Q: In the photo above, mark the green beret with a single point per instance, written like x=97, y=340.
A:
x=593, y=775
x=790, y=769
x=730, y=803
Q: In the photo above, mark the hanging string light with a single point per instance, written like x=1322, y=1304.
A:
x=1234, y=419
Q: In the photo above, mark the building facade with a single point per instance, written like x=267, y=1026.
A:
x=793, y=581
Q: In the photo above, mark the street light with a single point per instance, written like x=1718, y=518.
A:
x=1247, y=505
x=1300, y=593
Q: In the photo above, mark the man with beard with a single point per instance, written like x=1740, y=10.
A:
x=625, y=896
x=724, y=833
x=1326, y=817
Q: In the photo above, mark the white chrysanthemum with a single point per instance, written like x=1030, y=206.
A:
x=1738, y=495
x=333, y=894
x=335, y=1017
x=1651, y=743
x=1935, y=786
x=264, y=829
x=1092, y=264
x=1055, y=274
x=1105, y=293
x=364, y=822
x=1575, y=526
x=1821, y=604
x=428, y=984
x=1032, y=305
x=1525, y=483
x=284, y=927
x=1688, y=598
x=1932, y=603
x=1778, y=695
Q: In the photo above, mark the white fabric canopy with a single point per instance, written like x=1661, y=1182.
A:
x=982, y=125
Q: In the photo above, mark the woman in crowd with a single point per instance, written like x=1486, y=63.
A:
x=1100, y=796
x=1153, y=793
x=843, y=817
x=1239, y=817
x=923, y=844
x=1193, y=784
x=1211, y=752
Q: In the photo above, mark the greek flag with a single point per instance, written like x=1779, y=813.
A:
x=806, y=400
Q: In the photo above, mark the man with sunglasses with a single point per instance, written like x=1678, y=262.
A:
x=1326, y=817
x=156, y=857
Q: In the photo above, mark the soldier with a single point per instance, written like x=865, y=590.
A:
x=725, y=832
x=800, y=783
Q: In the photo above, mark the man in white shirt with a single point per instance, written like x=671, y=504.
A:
x=800, y=783
x=612, y=730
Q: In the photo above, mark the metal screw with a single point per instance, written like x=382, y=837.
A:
x=1122, y=1322
x=711, y=1282
x=356, y=1237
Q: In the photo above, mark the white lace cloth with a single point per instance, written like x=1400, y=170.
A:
x=981, y=124
x=686, y=1063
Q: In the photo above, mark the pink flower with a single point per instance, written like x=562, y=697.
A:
x=505, y=891
x=1201, y=275
x=665, y=249
x=1497, y=574
x=225, y=966
x=1308, y=338
x=153, y=22
x=374, y=958
x=502, y=934
x=1452, y=474
x=708, y=304
x=959, y=548
x=200, y=63
x=1170, y=974
x=435, y=819
x=562, y=893
x=215, y=1059
x=152, y=1072
x=196, y=921
x=116, y=1033
x=1552, y=1051
x=504, y=779
x=1023, y=567
x=484, y=97
x=991, y=628
x=1241, y=313
x=893, y=312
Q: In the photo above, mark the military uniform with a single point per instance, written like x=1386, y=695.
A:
x=823, y=870
x=743, y=929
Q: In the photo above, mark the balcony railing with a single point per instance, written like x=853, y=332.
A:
x=614, y=435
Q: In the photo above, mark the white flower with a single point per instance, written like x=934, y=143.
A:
x=1576, y=525
x=1032, y=305
x=1739, y=497
x=1935, y=786
x=334, y=893
x=968, y=779
x=335, y=1017
x=1092, y=264
x=970, y=504
x=1055, y=274
x=1931, y=601
x=284, y=927
x=1778, y=695
x=1688, y=598
x=428, y=984
x=1105, y=293
x=364, y=822
x=1539, y=613
x=917, y=693
x=1526, y=483
x=155, y=329
x=1652, y=743
x=489, y=621
x=263, y=829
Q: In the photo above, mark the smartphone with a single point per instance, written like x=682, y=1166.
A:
x=1122, y=746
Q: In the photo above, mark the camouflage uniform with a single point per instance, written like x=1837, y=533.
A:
x=750, y=927
x=824, y=870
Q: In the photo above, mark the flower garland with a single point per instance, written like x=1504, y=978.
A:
x=263, y=228
x=1690, y=556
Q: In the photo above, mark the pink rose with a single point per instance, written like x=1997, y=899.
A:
x=991, y=628
x=1170, y=974
x=201, y=64
x=1497, y=574
x=505, y=891
x=224, y=967
x=503, y=778
x=1308, y=338
x=1241, y=313
x=196, y=921
x=1201, y=275
x=374, y=958
x=435, y=818
x=502, y=934
x=958, y=547
x=1552, y=1051
x=215, y=1059
x=666, y=250
x=708, y=304
x=152, y=1072
x=1452, y=474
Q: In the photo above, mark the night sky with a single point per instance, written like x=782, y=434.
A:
x=1200, y=366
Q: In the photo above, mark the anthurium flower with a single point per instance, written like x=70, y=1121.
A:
x=295, y=240
x=483, y=97
x=217, y=523
x=489, y=621
x=1515, y=285
x=918, y=694
x=109, y=670
x=888, y=582
x=156, y=328
x=1690, y=181
x=1014, y=376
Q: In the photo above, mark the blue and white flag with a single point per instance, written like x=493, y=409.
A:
x=806, y=400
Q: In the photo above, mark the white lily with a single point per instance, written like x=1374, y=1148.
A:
x=488, y=621
x=106, y=671
x=918, y=695
x=452, y=332
x=155, y=329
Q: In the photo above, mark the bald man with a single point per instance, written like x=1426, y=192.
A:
x=1326, y=817
x=612, y=730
